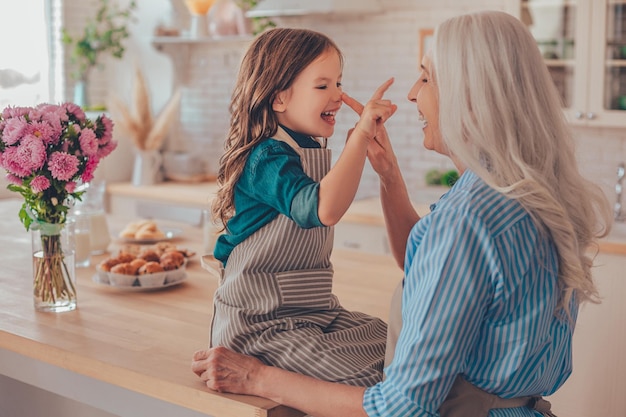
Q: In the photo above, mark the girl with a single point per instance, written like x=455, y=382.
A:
x=278, y=199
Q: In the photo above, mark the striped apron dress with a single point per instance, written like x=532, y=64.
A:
x=275, y=300
x=464, y=398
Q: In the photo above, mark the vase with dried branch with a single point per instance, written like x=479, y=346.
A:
x=148, y=132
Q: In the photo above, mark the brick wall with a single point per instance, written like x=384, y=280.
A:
x=376, y=47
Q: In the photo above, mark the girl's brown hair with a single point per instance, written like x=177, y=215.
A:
x=270, y=65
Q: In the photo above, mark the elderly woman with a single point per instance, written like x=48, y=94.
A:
x=495, y=274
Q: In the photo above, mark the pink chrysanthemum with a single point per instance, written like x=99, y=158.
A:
x=63, y=166
x=107, y=149
x=90, y=168
x=70, y=187
x=56, y=129
x=88, y=142
x=74, y=110
x=51, y=146
x=13, y=179
x=52, y=111
x=14, y=129
x=43, y=131
x=10, y=112
x=25, y=159
x=107, y=129
x=39, y=184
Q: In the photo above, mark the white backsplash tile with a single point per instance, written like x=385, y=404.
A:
x=376, y=47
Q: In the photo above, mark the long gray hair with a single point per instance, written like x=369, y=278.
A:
x=503, y=120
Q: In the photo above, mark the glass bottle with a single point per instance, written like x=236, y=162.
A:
x=92, y=205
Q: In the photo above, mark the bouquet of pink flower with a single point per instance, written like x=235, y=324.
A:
x=47, y=151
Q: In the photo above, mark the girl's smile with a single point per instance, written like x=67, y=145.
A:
x=310, y=105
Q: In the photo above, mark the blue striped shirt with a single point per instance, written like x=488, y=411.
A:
x=479, y=297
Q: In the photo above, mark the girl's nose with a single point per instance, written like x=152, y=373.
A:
x=337, y=94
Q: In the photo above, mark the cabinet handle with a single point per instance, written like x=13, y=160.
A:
x=578, y=115
x=591, y=115
x=350, y=244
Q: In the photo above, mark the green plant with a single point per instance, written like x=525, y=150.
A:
x=449, y=178
x=103, y=34
x=436, y=177
x=259, y=24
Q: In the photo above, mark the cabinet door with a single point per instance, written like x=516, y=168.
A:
x=607, y=83
x=597, y=385
x=584, y=46
x=560, y=28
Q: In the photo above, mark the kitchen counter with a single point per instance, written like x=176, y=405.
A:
x=369, y=212
x=127, y=352
x=365, y=212
x=186, y=194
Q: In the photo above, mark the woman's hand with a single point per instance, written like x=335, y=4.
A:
x=223, y=370
x=379, y=152
x=376, y=112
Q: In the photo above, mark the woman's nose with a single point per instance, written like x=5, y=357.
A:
x=412, y=96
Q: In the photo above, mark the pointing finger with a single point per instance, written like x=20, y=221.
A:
x=352, y=103
x=380, y=91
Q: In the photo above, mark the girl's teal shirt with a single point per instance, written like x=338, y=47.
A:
x=273, y=182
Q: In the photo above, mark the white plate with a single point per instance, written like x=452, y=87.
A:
x=138, y=288
x=169, y=232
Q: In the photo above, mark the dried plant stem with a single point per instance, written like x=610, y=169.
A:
x=164, y=121
x=146, y=131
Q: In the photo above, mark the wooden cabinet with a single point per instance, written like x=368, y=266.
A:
x=597, y=384
x=584, y=45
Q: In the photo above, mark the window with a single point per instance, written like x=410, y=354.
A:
x=24, y=55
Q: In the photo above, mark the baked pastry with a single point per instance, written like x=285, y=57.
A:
x=107, y=264
x=124, y=268
x=136, y=264
x=169, y=265
x=142, y=230
x=150, y=268
x=149, y=230
x=149, y=255
x=125, y=257
x=130, y=230
x=174, y=257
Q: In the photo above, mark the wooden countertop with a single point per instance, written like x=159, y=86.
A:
x=366, y=211
x=143, y=341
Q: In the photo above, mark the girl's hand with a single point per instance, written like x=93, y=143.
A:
x=376, y=112
x=223, y=370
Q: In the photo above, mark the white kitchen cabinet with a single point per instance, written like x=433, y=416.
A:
x=597, y=384
x=362, y=237
x=362, y=228
x=584, y=46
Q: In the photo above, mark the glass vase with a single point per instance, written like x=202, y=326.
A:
x=54, y=274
